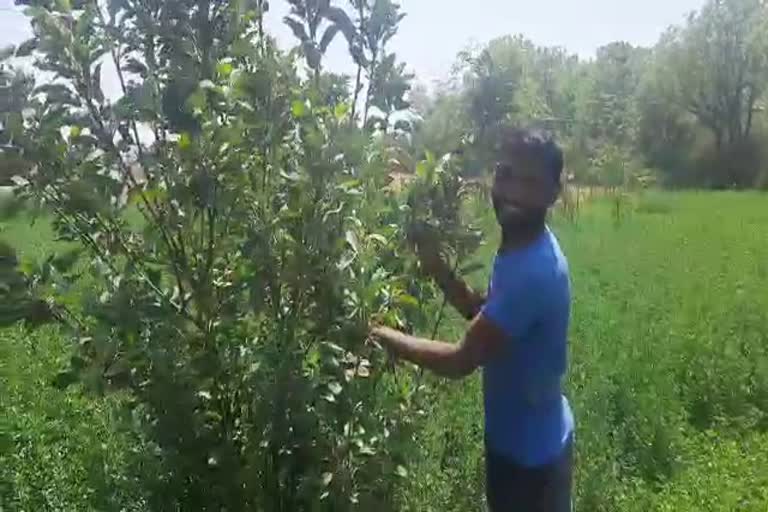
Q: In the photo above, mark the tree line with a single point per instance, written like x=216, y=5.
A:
x=689, y=111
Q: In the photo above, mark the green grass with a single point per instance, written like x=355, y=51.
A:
x=669, y=362
x=668, y=379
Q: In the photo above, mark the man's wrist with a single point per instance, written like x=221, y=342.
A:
x=443, y=274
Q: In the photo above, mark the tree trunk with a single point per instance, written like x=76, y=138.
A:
x=371, y=73
x=750, y=112
x=718, y=138
x=356, y=96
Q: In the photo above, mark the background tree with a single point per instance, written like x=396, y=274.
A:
x=441, y=123
x=721, y=68
x=335, y=89
x=377, y=23
x=307, y=19
x=15, y=97
x=388, y=90
x=666, y=132
x=611, y=113
x=721, y=64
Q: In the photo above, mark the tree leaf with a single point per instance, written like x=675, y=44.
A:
x=297, y=28
x=58, y=94
x=423, y=170
x=224, y=69
x=115, y=6
x=185, y=141
x=207, y=85
x=135, y=66
x=64, y=6
x=340, y=111
x=378, y=238
x=26, y=48
x=64, y=262
x=405, y=299
x=342, y=22
x=352, y=240
x=298, y=109
x=328, y=36
x=472, y=267
x=313, y=54
x=98, y=93
x=7, y=52
x=335, y=388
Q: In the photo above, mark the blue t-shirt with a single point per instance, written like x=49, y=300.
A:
x=527, y=418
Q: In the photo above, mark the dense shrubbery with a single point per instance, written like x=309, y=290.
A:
x=239, y=245
x=697, y=96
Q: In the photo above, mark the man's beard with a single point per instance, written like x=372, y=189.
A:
x=516, y=221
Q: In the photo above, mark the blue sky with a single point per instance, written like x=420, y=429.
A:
x=435, y=30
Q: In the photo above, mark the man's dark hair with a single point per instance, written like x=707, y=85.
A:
x=535, y=145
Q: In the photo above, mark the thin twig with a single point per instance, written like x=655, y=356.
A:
x=435, y=330
x=177, y=252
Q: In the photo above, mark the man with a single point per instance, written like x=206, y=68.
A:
x=518, y=335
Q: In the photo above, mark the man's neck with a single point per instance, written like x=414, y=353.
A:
x=520, y=236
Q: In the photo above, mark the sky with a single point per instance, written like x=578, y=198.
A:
x=434, y=31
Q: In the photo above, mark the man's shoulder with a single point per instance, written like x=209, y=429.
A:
x=526, y=276
x=552, y=255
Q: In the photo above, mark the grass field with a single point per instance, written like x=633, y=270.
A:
x=668, y=380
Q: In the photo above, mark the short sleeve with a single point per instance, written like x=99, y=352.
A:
x=512, y=302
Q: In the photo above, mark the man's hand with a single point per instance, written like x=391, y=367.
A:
x=383, y=336
x=427, y=249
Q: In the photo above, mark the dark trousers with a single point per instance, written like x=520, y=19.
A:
x=514, y=488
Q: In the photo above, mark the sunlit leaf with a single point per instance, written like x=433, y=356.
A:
x=224, y=69
x=298, y=108
x=26, y=48
x=378, y=238
x=185, y=141
x=352, y=240
x=340, y=111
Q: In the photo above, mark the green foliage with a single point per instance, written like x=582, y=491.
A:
x=233, y=316
x=720, y=64
x=436, y=201
x=305, y=21
x=377, y=23
x=388, y=89
x=16, y=88
x=62, y=450
x=692, y=106
x=655, y=432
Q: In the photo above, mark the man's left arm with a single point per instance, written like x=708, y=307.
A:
x=481, y=342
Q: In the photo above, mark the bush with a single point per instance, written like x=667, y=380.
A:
x=233, y=315
x=738, y=165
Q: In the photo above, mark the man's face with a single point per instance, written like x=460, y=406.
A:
x=522, y=192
